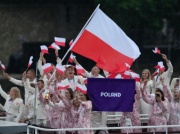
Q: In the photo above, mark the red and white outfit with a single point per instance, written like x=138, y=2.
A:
x=132, y=118
x=174, y=118
x=73, y=83
x=81, y=117
x=145, y=108
x=41, y=110
x=158, y=112
x=166, y=75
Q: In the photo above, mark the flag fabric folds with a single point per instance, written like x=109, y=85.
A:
x=111, y=94
x=131, y=75
x=156, y=51
x=60, y=41
x=47, y=68
x=155, y=73
x=81, y=88
x=80, y=70
x=104, y=42
x=60, y=69
x=44, y=49
x=30, y=61
x=115, y=75
x=54, y=46
x=71, y=58
x=2, y=66
x=62, y=86
x=160, y=66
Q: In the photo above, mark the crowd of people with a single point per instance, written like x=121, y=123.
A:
x=71, y=108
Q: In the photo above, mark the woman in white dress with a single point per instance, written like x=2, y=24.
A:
x=146, y=78
x=13, y=105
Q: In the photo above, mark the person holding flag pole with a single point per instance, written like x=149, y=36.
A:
x=49, y=75
x=98, y=118
x=94, y=71
x=162, y=73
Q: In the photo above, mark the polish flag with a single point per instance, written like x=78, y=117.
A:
x=62, y=86
x=60, y=69
x=2, y=66
x=127, y=66
x=160, y=66
x=81, y=88
x=30, y=61
x=156, y=51
x=71, y=42
x=130, y=74
x=54, y=46
x=103, y=41
x=80, y=70
x=60, y=41
x=47, y=68
x=114, y=75
x=85, y=81
x=71, y=58
x=155, y=73
x=44, y=49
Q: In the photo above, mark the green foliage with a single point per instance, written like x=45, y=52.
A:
x=142, y=17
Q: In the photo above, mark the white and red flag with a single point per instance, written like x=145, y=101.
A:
x=54, y=46
x=130, y=74
x=60, y=41
x=160, y=66
x=60, y=69
x=80, y=70
x=62, y=86
x=85, y=81
x=2, y=66
x=47, y=68
x=127, y=66
x=156, y=51
x=44, y=49
x=114, y=75
x=71, y=58
x=71, y=42
x=103, y=41
x=81, y=88
x=155, y=73
x=30, y=61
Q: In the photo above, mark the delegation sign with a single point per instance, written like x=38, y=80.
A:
x=111, y=94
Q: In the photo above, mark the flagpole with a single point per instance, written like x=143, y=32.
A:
x=80, y=32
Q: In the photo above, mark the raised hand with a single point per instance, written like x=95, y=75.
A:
x=75, y=61
x=6, y=75
x=165, y=57
x=56, y=53
x=41, y=55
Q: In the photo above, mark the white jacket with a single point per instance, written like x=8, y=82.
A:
x=41, y=110
x=1, y=107
x=72, y=83
x=15, y=108
x=28, y=92
x=166, y=75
